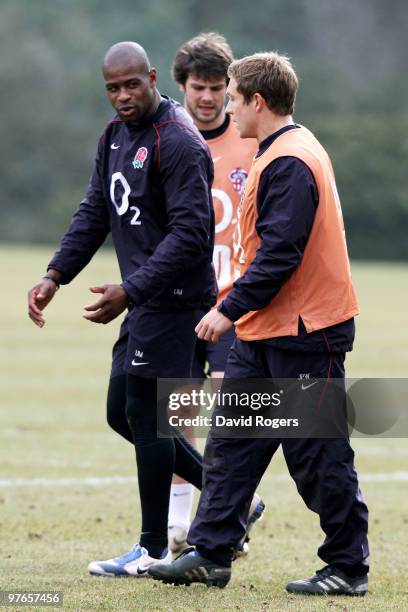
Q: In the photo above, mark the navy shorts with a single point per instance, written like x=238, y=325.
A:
x=156, y=343
x=213, y=355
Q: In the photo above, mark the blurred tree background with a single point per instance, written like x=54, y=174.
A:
x=350, y=56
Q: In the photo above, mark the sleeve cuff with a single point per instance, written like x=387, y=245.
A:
x=231, y=311
x=64, y=280
x=135, y=296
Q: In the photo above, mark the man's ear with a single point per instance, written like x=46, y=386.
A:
x=153, y=76
x=259, y=102
x=182, y=88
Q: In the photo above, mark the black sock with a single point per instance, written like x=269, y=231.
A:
x=116, y=407
x=155, y=462
x=155, y=550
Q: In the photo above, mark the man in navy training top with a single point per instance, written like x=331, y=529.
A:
x=150, y=187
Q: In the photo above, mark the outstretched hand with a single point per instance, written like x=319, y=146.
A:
x=113, y=301
x=212, y=326
x=38, y=298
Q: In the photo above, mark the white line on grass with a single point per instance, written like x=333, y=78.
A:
x=97, y=481
x=92, y=481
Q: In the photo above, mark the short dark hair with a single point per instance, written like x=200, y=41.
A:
x=207, y=56
x=269, y=74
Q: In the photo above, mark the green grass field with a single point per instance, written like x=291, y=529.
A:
x=52, y=427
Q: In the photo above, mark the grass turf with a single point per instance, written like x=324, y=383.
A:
x=52, y=425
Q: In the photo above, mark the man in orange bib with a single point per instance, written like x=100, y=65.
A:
x=293, y=305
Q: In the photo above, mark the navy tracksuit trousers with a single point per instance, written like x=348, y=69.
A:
x=323, y=469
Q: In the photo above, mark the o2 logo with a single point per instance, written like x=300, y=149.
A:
x=123, y=205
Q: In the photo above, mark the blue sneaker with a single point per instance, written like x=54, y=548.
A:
x=255, y=514
x=136, y=562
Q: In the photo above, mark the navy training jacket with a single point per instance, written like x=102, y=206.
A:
x=150, y=187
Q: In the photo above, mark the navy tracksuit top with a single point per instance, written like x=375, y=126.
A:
x=151, y=188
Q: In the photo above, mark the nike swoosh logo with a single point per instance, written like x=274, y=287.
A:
x=304, y=387
x=215, y=159
x=136, y=363
x=113, y=146
x=142, y=571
